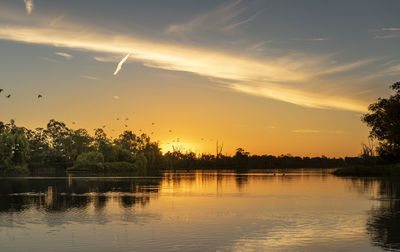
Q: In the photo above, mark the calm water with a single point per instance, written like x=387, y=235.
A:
x=200, y=211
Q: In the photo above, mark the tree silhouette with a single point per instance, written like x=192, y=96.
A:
x=384, y=121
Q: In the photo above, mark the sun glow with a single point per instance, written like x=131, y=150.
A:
x=183, y=147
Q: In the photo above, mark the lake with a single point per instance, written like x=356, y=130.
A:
x=309, y=210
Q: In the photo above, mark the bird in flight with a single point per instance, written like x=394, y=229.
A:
x=1, y=90
x=170, y=131
x=39, y=96
x=126, y=119
x=8, y=96
x=152, y=123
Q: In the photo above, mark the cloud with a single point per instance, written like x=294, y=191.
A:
x=306, y=131
x=242, y=22
x=347, y=67
x=116, y=97
x=29, y=6
x=218, y=16
x=294, y=79
x=121, y=63
x=88, y=77
x=65, y=55
x=394, y=69
x=335, y=131
x=223, y=18
x=49, y=60
x=391, y=29
x=299, y=97
x=258, y=47
x=107, y=58
x=391, y=70
x=311, y=131
x=313, y=39
x=387, y=36
x=388, y=33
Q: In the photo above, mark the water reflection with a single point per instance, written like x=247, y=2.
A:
x=64, y=194
x=384, y=221
x=192, y=211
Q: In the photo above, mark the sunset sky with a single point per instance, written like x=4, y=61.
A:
x=272, y=77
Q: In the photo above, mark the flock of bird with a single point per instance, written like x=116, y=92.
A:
x=9, y=95
x=123, y=122
x=104, y=126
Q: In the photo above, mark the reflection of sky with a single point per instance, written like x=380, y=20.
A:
x=199, y=212
x=278, y=71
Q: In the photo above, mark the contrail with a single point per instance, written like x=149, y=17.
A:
x=121, y=63
x=29, y=6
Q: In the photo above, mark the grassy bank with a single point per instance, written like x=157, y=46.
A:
x=369, y=171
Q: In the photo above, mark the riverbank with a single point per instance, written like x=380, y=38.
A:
x=369, y=171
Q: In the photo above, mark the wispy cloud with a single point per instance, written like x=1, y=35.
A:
x=285, y=78
x=241, y=22
x=387, y=33
x=311, y=131
x=299, y=97
x=306, y=131
x=116, y=97
x=335, y=131
x=119, y=66
x=50, y=60
x=88, y=77
x=65, y=55
x=107, y=58
x=258, y=47
x=394, y=69
x=347, y=67
x=29, y=6
x=223, y=18
x=391, y=29
x=313, y=39
x=387, y=36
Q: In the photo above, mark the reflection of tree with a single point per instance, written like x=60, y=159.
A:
x=384, y=222
x=59, y=195
x=241, y=180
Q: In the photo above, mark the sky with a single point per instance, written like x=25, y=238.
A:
x=272, y=77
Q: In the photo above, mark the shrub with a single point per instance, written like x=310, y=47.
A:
x=90, y=161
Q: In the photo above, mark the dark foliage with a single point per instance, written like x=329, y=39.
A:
x=61, y=149
x=384, y=121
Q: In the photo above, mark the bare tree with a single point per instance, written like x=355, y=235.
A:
x=368, y=150
x=219, y=148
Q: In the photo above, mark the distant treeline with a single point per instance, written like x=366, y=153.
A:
x=57, y=147
x=243, y=160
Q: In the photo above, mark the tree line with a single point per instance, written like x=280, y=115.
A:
x=60, y=148
x=24, y=151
